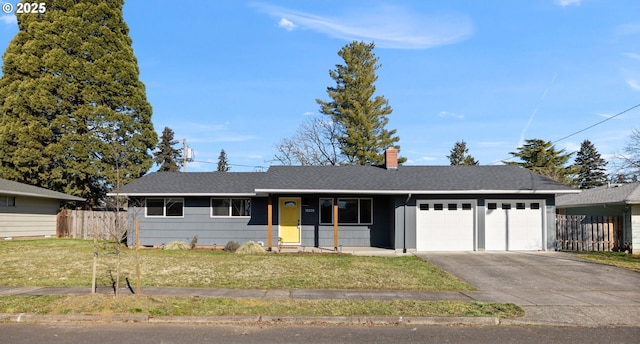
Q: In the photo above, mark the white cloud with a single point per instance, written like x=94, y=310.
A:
x=9, y=19
x=491, y=143
x=450, y=114
x=287, y=24
x=565, y=3
x=630, y=29
x=308, y=113
x=634, y=85
x=427, y=158
x=634, y=56
x=388, y=26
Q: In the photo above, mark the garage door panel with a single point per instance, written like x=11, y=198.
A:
x=445, y=225
x=513, y=225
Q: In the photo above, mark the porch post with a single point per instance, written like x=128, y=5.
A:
x=335, y=224
x=269, y=223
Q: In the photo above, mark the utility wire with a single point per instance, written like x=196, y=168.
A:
x=212, y=162
x=593, y=125
x=587, y=128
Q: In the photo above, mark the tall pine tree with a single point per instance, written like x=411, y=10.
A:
x=166, y=156
x=361, y=115
x=541, y=157
x=73, y=114
x=223, y=163
x=591, y=167
x=459, y=155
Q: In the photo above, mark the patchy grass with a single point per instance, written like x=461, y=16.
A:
x=619, y=259
x=66, y=262
x=190, y=306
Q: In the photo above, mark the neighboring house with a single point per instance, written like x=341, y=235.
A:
x=611, y=200
x=29, y=211
x=423, y=208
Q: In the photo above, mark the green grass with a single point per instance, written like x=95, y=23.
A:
x=619, y=259
x=66, y=262
x=172, y=306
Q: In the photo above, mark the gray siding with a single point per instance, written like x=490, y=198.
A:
x=197, y=221
x=29, y=218
x=394, y=222
x=156, y=231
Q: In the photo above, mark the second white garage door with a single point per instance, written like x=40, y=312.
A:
x=513, y=225
x=447, y=225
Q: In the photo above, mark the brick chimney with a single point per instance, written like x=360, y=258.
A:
x=391, y=158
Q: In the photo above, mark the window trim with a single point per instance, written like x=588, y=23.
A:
x=346, y=223
x=230, y=209
x=165, y=201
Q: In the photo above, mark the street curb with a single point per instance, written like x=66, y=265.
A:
x=257, y=319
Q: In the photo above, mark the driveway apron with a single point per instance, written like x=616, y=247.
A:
x=557, y=287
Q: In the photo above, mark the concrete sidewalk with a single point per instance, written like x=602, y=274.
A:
x=536, y=314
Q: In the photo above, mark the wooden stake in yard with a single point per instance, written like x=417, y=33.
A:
x=137, y=257
x=95, y=259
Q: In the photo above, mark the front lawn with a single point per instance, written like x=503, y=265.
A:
x=155, y=306
x=66, y=262
x=619, y=259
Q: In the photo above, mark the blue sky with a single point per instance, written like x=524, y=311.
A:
x=241, y=76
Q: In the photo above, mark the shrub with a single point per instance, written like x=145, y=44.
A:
x=231, y=246
x=251, y=247
x=176, y=245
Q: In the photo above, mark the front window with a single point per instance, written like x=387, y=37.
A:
x=230, y=207
x=161, y=207
x=7, y=201
x=350, y=210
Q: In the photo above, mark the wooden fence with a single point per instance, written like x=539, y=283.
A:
x=589, y=233
x=82, y=224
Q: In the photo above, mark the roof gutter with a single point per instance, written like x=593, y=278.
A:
x=29, y=194
x=413, y=192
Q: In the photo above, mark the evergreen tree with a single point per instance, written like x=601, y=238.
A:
x=223, y=163
x=166, y=156
x=459, y=155
x=71, y=105
x=361, y=116
x=541, y=157
x=590, y=167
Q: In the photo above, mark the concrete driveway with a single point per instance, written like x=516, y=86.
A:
x=552, y=287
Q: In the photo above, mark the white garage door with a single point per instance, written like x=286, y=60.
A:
x=514, y=225
x=447, y=225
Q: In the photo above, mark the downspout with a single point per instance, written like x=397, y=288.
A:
x=404, y=225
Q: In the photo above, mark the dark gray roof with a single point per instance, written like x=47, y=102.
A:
x=11, y=188
x=611, y=194
x=193, y=183
x=346, y=179
x=415, y=179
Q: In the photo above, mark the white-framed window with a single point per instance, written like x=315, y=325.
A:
x=7, y=201
x=164, y=207
x=350, y=211
x=234, y=207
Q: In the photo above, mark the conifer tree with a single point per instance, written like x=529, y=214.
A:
x=166, y=156
x=590, y=167
x=541, y=157
x=71, y=104
x=362, y=117
x=223, y=163
x=459, y=155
